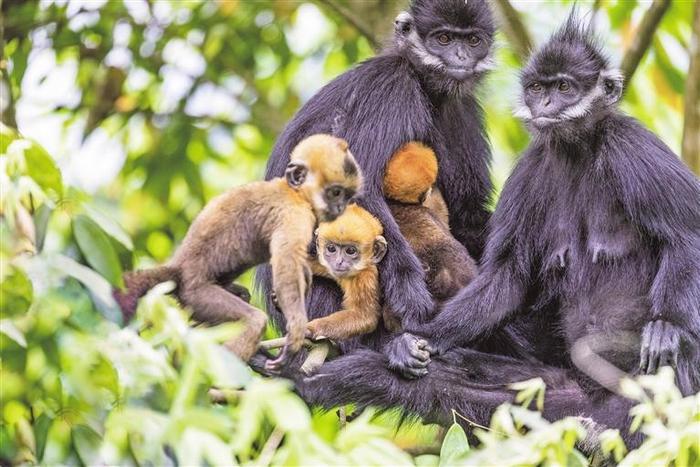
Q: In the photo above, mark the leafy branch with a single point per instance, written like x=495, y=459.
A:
x=643, y=37
x=691, y=127
x=363, y=27
x=514, y=29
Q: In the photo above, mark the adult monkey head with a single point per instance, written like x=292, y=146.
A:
x=568, y=86
x=415, y=90
x=449, y=41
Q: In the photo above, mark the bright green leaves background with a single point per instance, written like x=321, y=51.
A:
x=121, y=119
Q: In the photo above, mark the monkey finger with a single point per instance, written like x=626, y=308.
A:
x=655, y=348
x=420, y=355
x=414, y=373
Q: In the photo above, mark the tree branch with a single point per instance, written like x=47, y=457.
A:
x=691, y=127
x=643, y=37
x=348, y=15
x=514, y=29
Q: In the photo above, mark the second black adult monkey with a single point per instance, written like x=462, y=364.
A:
x=600, y=218
x=420, y=88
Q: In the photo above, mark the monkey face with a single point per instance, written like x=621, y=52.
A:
x=341, y=260
x=451, y=39
x=335, y=199
x=567, y=84
x=323, y=168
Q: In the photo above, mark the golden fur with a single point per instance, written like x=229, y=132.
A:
x=410, y=173
x=361, y=297
x=271, y=221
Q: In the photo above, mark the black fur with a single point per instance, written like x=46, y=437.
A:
x=377, y=107
x=598, y=227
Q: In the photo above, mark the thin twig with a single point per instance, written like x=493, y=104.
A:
x=348, y=15
x=514, y=29
x=471, y=423
x=270, y=447
x=691, y=126
x=642, y=38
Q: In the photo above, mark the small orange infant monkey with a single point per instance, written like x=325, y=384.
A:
x=348, y=251
x=271, y=221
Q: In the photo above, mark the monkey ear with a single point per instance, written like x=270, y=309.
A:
x=403, y=23
x=296, y=174
x=612, y=85
x=379, y=249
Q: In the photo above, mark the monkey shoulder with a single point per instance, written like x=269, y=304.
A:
x=657, y=191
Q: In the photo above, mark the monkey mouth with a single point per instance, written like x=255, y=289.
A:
x=543, y=122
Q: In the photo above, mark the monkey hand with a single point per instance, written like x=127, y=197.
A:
x=660, y=346
x=409, y=355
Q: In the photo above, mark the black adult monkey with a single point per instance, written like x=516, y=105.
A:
x=418, y=89
x=604, y=218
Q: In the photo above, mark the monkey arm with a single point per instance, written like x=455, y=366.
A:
x=493, y=296
x=401, y=274
x=291, y=276
x=360, y=313
x=661, y=197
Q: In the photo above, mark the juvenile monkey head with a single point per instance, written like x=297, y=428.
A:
x=410, y=173
x=568, y=84
x=351, y=243
x=323, y=169
x=449, y=40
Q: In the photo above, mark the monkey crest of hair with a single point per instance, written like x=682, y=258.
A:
x=574, y=60
x=355, y=225
x=410, y=173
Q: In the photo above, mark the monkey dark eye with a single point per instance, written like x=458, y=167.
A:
x=444, y=39
x=331, y=248
x=535, y=87
x=564, y=86
x=473, y=40
x=335, y=192
x=351, y=251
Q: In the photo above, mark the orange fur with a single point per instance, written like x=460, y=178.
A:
x=361, y=299
x=410, y=173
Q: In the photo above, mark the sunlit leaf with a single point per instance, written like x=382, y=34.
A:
x=454, y=446
x=42, y=168
x=87, y=444
x=16, y=292
x=97, y=249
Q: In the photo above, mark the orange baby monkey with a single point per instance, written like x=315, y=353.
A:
x=271, y=221
x=408, y=181
x=348, y=251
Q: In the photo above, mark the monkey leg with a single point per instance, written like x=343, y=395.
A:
x=469, y=382
x=213, y=304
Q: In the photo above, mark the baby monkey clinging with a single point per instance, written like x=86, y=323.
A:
x=271, y=221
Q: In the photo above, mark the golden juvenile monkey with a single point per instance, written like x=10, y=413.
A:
x=408, y=180
x=253, y=224
x=348, y=251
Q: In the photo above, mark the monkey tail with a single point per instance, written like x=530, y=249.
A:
x=137, y=283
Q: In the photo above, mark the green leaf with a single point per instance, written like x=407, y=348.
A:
x=7, y=135
x=87, y=444
x=110, y=226
x=41, y=431
x=100, y=289
x=8, y=328
x=427, y=460
x=42, y=168
x=97, y=249
x=454, y=446
x=16, y=293
x=41, y=222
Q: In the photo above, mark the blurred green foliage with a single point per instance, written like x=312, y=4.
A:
x=124, y=118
